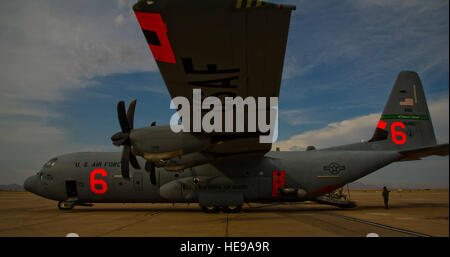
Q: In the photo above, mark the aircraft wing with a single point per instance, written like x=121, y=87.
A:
x=226, y=48
x=418, y=153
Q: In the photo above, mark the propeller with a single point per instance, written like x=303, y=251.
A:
x=126, y=120
x=150, y=167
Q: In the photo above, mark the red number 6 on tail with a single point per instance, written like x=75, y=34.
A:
x=398, y=133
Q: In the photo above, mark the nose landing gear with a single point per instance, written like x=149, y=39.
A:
x=64, y=205
x=70, y=203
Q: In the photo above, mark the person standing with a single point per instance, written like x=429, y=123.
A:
x=386, y=197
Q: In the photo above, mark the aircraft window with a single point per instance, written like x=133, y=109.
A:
x=152, y=37
x=50, y=163
x=40, y=174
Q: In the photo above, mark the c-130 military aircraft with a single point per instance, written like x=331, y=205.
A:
x=228, y=48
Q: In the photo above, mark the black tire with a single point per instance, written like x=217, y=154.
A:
x=232, y=209
x=61, y=205
x=210, y=209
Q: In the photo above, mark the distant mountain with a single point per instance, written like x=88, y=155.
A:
x=392, y=186
x=11, y=187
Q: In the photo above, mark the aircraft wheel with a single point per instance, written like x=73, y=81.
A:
x=63, y=205
x=210, y=209
x=232, y=209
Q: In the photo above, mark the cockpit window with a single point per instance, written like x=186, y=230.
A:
x=50, y=163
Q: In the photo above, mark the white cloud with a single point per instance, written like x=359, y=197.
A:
x=378, y=37
x=124, y=3
x=119, y=20
x=439, y=111
x=400, y=4
x=9, y=107
x=27, y=144
x=355, y=129
x=296, y=117
x=154, y=89
x=336, y=133
x=46, y=50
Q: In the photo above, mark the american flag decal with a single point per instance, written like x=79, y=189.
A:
x=406, y=101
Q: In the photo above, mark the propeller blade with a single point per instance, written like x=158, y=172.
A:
x=153, y=176
x=134, y=161
x=124, y=162
x=150, y=167
x=119, y=139
x=122, y=117
x=130, y=113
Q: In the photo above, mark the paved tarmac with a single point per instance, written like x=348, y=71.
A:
x=416, y=213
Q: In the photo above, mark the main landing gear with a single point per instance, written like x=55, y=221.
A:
x=225, y=209
x=63, y=205
x=68, y=205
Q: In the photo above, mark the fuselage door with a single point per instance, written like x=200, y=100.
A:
x=71, y=189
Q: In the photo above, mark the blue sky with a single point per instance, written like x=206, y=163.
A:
x=65, y=67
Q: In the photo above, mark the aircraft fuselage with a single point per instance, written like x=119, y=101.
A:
x=96, y=178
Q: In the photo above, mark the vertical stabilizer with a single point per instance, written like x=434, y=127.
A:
x=406, y=121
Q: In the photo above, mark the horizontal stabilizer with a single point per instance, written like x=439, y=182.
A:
x=418, y=153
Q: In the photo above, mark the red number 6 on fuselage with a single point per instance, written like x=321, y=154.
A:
x=101, y=182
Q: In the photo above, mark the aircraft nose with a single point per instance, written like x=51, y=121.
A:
x=30, y=184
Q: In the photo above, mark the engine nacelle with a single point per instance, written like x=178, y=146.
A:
x=187, y=161
x=161, y=143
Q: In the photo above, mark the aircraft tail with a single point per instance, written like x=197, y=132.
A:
x=406, y=121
